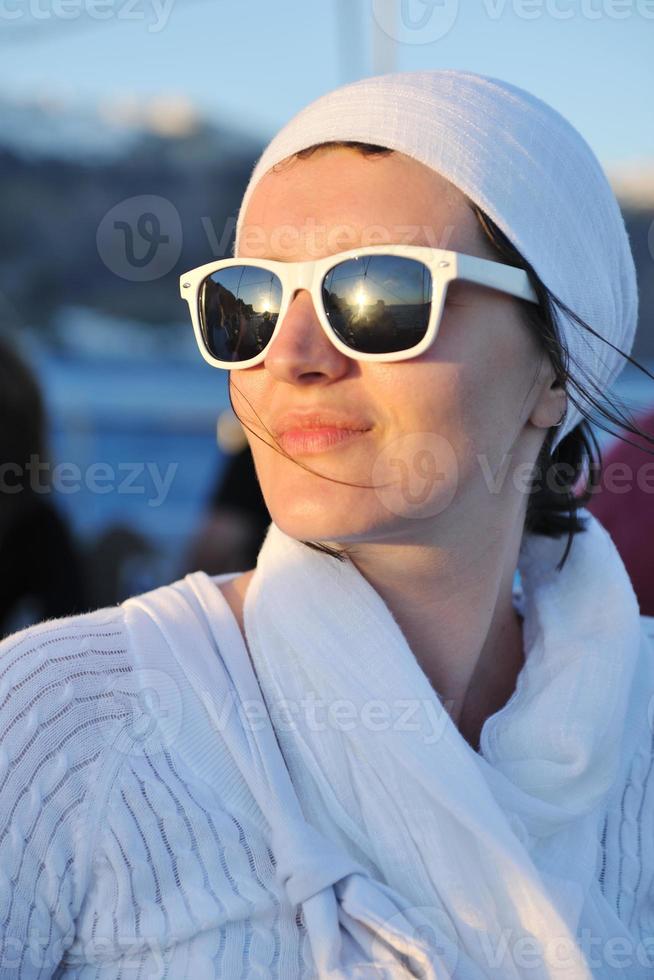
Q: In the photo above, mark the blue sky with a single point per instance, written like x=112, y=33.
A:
x=254, y=63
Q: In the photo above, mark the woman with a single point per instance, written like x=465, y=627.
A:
x=376, y=754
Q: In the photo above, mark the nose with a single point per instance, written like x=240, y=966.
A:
x=301, y=352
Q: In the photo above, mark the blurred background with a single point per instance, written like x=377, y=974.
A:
x=128, y=130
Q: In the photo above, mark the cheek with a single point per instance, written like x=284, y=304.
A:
x=471, y=392
x=496, y=362
x=246, y=389
x=495, y=391
x=439, y=389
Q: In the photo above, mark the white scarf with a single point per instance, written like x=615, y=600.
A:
x=411, y=854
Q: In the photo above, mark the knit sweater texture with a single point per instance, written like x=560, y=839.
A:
x=132, y=847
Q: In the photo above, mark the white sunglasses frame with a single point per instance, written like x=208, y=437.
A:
x=444, y=266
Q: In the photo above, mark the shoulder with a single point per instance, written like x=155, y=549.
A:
x=59, y=714
x=60, y=650
x=58, y=698
x=126, y=682
x=60, y=643
x=105, y=744
x=97, y=674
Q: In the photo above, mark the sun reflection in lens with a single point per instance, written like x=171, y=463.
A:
x=361, y=299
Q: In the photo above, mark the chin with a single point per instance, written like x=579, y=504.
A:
x=310, y=522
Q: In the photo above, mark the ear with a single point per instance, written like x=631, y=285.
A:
x=550, y=407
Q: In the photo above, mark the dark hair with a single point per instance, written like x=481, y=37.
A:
x=23, y=435
x=22, y=409
x=553, y=505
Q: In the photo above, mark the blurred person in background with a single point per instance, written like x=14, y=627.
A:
x=41, y=574
x=234, y=526
x=625, y=506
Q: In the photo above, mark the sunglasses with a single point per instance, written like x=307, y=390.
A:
x=376, y=303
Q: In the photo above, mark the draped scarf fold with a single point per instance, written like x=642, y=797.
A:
x=411, y=854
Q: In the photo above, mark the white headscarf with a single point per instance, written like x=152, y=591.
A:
x=525, y=165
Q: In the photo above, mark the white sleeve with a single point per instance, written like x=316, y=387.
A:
x=57, y=719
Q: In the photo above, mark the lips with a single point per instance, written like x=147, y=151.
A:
x=307, y=421
x=304, y=441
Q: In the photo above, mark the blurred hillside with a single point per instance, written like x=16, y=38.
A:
x=63, y=171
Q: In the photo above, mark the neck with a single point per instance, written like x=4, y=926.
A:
x=456, y=613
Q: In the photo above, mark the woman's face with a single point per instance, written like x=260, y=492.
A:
x=441, y=424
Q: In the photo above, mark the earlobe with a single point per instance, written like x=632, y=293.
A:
x=563, y=399
x=552, y=408
x=562, y=419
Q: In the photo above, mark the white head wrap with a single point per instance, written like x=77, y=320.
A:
x=520, y=161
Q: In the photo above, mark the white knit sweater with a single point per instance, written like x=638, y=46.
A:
x=119, y=859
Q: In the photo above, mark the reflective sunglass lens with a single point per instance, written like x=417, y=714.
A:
x=378, y=304
x=238, y=309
